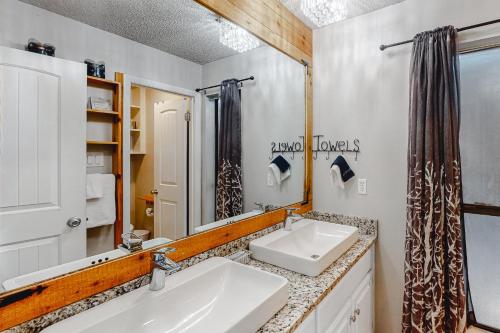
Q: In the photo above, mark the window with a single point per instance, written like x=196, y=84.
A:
x=480, y=153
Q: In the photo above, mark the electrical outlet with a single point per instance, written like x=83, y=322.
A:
x=362, y=186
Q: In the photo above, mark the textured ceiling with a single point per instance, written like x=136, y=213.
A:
x=179, y=27
x=353, y=8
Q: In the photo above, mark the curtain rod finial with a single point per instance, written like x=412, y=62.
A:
x=382, y=47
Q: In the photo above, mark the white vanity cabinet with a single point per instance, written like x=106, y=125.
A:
x=355, y=316
x=309, y=324
x=348, y=308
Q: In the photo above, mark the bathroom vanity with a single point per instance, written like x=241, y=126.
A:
x=349, y=307
x=233, y=297
x=341, y=298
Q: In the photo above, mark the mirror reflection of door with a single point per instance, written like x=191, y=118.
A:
x=170, y=167
x=42, y=162
x=159, y=145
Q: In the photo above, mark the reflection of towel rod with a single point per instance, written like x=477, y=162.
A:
x=251, y=78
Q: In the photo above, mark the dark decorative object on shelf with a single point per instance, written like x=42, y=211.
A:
x=96, y=69
x=37, y=47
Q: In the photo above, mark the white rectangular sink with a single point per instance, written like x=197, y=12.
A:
x=216, y=295
x=309, y=248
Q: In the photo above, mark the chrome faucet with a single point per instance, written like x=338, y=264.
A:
x=291, y=217
x=263, y=207
x=131, y=242
x=162, y=265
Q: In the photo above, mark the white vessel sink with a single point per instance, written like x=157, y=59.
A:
x=216, y=295
x=308, y=249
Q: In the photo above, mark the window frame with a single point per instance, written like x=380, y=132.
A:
x=477, y=208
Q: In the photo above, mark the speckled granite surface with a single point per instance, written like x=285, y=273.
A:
x=305, y=292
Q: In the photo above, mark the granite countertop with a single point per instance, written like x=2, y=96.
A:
x=306, y=292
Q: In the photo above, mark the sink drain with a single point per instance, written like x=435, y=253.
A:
x=315, y=256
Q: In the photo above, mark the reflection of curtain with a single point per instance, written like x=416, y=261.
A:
x=434, y=298
x=229, y=196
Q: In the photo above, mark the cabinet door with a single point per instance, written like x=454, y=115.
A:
x=342, y=322
x=363, y=306
x=309, y=324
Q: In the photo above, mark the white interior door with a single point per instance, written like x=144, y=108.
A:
x=170, y=149
x=42, y=161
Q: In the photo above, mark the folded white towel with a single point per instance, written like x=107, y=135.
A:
x=94, y=186
x=102, y=211
x=275, y=174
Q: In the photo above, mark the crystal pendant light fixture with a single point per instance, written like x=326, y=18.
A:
x=235, y=37
x=323, y=12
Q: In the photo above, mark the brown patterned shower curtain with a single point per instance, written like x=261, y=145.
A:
x=229, y=187
x=434, y=297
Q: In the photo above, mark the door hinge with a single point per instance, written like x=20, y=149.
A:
x=187, y=116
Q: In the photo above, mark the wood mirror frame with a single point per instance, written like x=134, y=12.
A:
x=272, y=22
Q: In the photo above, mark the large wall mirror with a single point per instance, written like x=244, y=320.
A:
x=213, y=131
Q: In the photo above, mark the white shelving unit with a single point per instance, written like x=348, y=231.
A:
x=138, y=118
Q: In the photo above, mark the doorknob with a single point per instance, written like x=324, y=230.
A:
x=155, y=191
x=74, y=222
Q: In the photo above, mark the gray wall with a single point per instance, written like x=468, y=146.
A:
x=362, y=92
x=273, y=109
x=77, y=41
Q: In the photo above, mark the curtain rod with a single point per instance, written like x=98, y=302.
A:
x=251, y=78
x=383, y=47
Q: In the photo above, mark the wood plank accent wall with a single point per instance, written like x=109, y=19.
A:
x=269, y=20
x=273, y=23
x=118, y=160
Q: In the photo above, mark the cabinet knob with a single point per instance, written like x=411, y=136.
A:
x=353, y=318
x=357, y=311
x=155, y=191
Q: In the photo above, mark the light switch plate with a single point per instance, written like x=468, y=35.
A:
x=362, y=186
x=99, y=159
x=95, y=159
x=90, y=159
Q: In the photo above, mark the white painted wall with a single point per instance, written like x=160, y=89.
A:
x=272, y=110
x=362, y=92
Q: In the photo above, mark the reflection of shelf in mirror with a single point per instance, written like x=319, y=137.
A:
x=148, y=198
x=137, y=153
x=105, y=143
x=135, y=108
x=135, y=130
x=103, y=112
x=101, y=83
